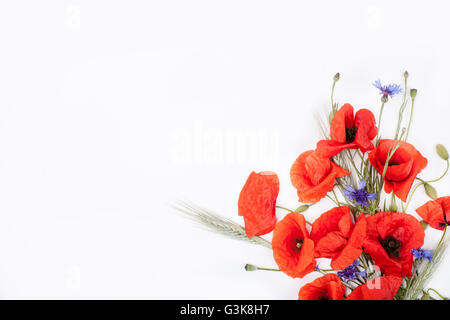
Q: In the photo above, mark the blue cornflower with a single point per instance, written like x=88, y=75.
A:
x=351, y=272
x=359, y=196
x=422, y=254
x=389, y=90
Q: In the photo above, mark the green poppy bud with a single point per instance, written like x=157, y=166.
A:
x=430, y=191
x=424, y=224
x=336, y=77
x=302, y=208
x=442, y=152
x=250, y=267
x=413, y=93
x=426, y=296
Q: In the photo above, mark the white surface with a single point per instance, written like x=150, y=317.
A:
x=108, y=109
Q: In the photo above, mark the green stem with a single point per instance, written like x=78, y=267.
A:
x=440, y=295
x=379, y=122
x=416, y=283
x=353, y=163
x=335, y=196
x=400, y=112
x=280, y=207
x=388, y=158
x=440, y=243
x=423, y=182
x=332, y=95
x=267, y=269
x=334, y=201
x=410, y=118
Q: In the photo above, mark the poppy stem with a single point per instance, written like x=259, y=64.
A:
x=400, y=112
x=386, y=164
x=251, y=267
x=423, y=182
x=410, y=118
x=440, y=295
x=349, y=154
x=334, y=201
x=268, y=269
x=327, y=270
x=379, y=123
x=280, y=207
x=335, y=79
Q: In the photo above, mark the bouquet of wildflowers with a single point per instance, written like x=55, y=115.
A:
x=374, y=246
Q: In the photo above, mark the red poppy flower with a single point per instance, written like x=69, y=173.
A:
x=404, y=165
x=336, y=238
x=257, y=203
x=293, y=250
x=314, y=176
x=436, y=212
x=328, y=287
x=390, y=238
x=348, y=132
x=381, y=288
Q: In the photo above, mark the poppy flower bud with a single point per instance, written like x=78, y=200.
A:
x=426, y=296
x=302, y=208
x=336, y=77
x=413, y=93
x=442, y=151
x=424, y=224
x=406, y=74
x=250, y=267
x=430, y=191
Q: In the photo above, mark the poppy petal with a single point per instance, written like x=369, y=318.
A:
x=257, y=201
x=381, y=288
x=342, y=119
x=290, y=231
x=328, y=287
x=314, y=176
x=367, y=130
x=435, y=212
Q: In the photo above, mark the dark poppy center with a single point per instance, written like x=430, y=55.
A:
x=324, y=297
x=350, y=134
x=298, y=242
x=445, y=223
x=392, y=246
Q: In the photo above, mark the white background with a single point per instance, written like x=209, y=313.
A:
x=110, y=109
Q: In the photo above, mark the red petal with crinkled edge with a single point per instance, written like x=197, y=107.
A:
x=401, y=226
x=329, y=221
x=404, y=166
x=342, y=119
x=436, y=212
x=314, y=176
x=295, y=262
x=381, y=288
x=257, y=202
x=367, y=130
x=363, y=122
x=335, y=237
x=353, y=248
x=328, y=287
x=329, y=148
